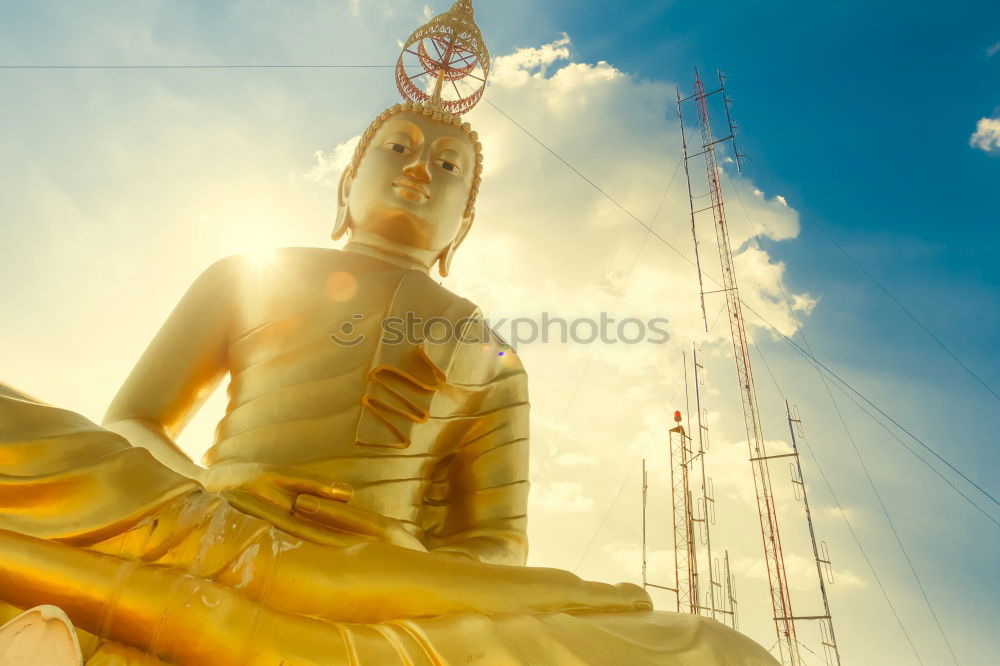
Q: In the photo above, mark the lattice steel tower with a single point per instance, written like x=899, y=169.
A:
x=693, y=514
x=773, y=555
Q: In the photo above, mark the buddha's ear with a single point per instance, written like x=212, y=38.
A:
x=444, y=259
x=343, y=222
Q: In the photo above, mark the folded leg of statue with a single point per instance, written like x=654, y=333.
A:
x=184, y=619
x=162, y=570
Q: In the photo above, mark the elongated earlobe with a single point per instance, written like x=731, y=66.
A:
x=447, y=254
x=343, y=222
x=444, y=260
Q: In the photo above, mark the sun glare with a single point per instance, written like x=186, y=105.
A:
x=257, y=244
x=260, y=258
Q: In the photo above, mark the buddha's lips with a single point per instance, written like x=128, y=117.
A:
x=410, y=185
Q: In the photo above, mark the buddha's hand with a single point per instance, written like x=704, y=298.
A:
x=277, y=485
x=276, y=494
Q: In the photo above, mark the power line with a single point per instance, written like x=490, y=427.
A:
x=157, y=67
x=810, y=650
x=585, y=178
x=913, y=317
x=916, y=455
x=832, y=374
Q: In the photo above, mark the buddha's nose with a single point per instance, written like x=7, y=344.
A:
x=417, y=170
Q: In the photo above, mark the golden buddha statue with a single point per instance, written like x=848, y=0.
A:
x=365, y=498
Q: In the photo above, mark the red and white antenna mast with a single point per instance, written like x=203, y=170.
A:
x=774, y=557
x=685, y=548
x=693, y=513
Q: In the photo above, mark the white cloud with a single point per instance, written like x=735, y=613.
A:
x=803, y=303
x=329, y=165
x=987, y=135
x=517, y=68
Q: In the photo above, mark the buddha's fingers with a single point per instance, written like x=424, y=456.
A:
x=256, y=508
x=295, y=481
x=276, y=484
x=352, y=519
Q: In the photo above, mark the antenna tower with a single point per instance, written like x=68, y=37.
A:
x=784, y=620
x=685, y=550
x=693, y=515
x=820, y=552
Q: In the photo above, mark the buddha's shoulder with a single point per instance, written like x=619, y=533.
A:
x=283, y=259
x=303, y=261
x=299, y=260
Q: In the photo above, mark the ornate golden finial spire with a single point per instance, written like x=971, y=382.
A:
x=444, y=53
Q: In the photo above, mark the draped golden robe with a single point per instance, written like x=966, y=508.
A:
x=430, y=431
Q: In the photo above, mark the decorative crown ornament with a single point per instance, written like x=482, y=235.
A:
x=445, y=51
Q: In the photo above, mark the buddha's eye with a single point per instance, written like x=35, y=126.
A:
x=449, y=166
x=397, y=147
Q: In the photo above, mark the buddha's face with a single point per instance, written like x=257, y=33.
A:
x=413, y=183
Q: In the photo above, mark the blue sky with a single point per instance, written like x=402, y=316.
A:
x=122, y=186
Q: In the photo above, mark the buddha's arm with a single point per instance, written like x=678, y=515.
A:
x=180, y=368
x=485, y=499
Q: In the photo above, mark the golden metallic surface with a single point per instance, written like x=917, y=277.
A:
x=365, y=498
